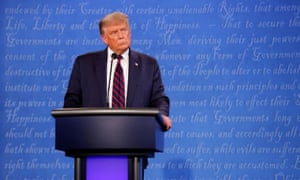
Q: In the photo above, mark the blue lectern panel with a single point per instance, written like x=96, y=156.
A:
x=107, y=167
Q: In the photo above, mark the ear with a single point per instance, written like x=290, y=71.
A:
x=104, y=39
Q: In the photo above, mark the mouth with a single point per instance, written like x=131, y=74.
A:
x=122, y=43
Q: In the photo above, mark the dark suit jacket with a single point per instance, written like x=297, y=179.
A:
x=87, y=84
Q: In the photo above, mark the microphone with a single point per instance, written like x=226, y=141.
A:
x=113, y=57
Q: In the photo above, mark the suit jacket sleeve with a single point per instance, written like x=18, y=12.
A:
x=158, y=97
x=73, y=96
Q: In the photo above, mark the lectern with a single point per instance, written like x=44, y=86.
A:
x=108, y=143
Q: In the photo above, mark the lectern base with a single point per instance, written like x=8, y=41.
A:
x=108, y=167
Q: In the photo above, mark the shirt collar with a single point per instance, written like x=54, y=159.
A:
x=124, y=55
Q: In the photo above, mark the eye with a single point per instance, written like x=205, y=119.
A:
x=114, y=33
x=124, y=31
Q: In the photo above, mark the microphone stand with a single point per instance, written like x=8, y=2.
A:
x=113, y=57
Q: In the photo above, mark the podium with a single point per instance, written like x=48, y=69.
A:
x=108, y=143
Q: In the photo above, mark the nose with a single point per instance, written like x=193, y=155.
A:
x=120, y=34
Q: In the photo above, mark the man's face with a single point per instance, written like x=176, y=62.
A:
x=117, y=37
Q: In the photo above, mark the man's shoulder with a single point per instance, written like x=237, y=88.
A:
x=139, y=55
x=93, y=54
x=91, y=58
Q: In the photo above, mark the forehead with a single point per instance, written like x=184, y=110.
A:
x=115, y=26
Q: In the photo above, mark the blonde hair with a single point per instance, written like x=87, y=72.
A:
x=113, y=18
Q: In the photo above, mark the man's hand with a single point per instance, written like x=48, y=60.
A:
x=167, y=122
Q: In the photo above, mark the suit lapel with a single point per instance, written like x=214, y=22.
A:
x=134, y=63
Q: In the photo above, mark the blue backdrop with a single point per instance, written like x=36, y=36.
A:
x=230, y=67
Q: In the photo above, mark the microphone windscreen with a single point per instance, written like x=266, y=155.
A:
x=113, y=55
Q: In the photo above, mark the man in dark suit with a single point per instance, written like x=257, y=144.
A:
x=90, y=83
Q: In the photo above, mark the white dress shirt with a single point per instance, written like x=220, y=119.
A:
x=111, y=71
